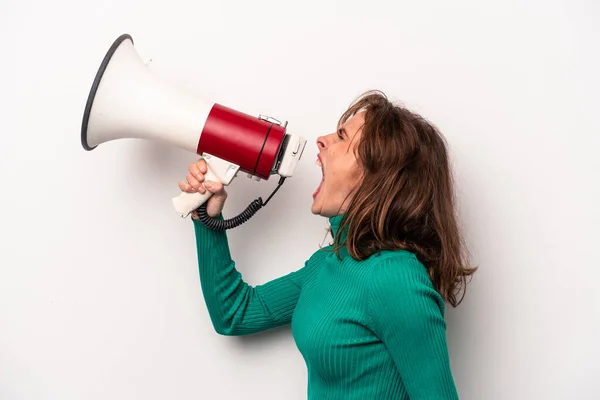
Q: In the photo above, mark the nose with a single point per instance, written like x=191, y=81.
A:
x=321, y=142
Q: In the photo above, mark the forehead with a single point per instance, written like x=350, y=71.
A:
x=354, y=124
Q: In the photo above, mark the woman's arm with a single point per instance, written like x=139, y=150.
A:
x=407, y=315
x=236, y=308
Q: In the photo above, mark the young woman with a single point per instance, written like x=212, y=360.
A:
x=366, y=312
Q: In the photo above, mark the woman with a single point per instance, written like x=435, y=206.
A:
x=367, y=312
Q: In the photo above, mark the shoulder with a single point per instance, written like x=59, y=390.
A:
x=317, y=259
x=319, y=256
x=401, y=267
x=398, y=277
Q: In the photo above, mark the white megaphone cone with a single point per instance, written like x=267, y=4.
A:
x=128, y=101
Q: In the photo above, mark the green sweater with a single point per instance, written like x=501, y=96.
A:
x=368, y=330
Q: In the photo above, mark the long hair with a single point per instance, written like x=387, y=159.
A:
x=405, y=199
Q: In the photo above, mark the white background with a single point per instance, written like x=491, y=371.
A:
x=99, y=291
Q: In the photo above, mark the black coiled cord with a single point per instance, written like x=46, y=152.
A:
x=220, y=225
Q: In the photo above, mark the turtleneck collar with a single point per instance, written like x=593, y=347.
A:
x=335, y=222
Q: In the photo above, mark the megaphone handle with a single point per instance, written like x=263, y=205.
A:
x=186, y=202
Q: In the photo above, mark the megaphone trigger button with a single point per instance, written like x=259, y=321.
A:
x=296, y=149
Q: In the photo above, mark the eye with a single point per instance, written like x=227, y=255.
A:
x=340, y=135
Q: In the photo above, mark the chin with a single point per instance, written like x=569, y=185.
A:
x=315, y=209
x=322, y=213
x=322, y=208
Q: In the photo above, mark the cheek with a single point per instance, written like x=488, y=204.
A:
x=353, y=180
x=347, y=176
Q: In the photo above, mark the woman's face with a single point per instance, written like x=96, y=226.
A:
x=341, y=172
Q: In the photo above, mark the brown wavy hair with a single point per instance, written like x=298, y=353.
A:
x=406, y=198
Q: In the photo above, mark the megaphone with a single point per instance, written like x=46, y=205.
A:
x=127, y=100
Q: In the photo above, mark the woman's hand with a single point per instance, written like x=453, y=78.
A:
x=195, y=183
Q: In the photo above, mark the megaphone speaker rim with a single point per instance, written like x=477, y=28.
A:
x=90, y=100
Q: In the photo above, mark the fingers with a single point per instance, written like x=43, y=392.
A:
x=201, y=164
x=195, y=176
x=184, y=186
x=191, y=185
x=195, y=183
x=198, y=169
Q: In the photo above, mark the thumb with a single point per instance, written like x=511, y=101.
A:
x=213, y=187
x=217, y=201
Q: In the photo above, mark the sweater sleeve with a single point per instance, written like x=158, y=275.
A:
x=236, y=308
x=407, y=316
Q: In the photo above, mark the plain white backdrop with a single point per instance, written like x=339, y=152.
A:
x=99, y=291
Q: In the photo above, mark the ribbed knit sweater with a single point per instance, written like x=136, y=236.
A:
x=368, y=330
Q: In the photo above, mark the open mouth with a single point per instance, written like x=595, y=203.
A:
x=320, y=164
